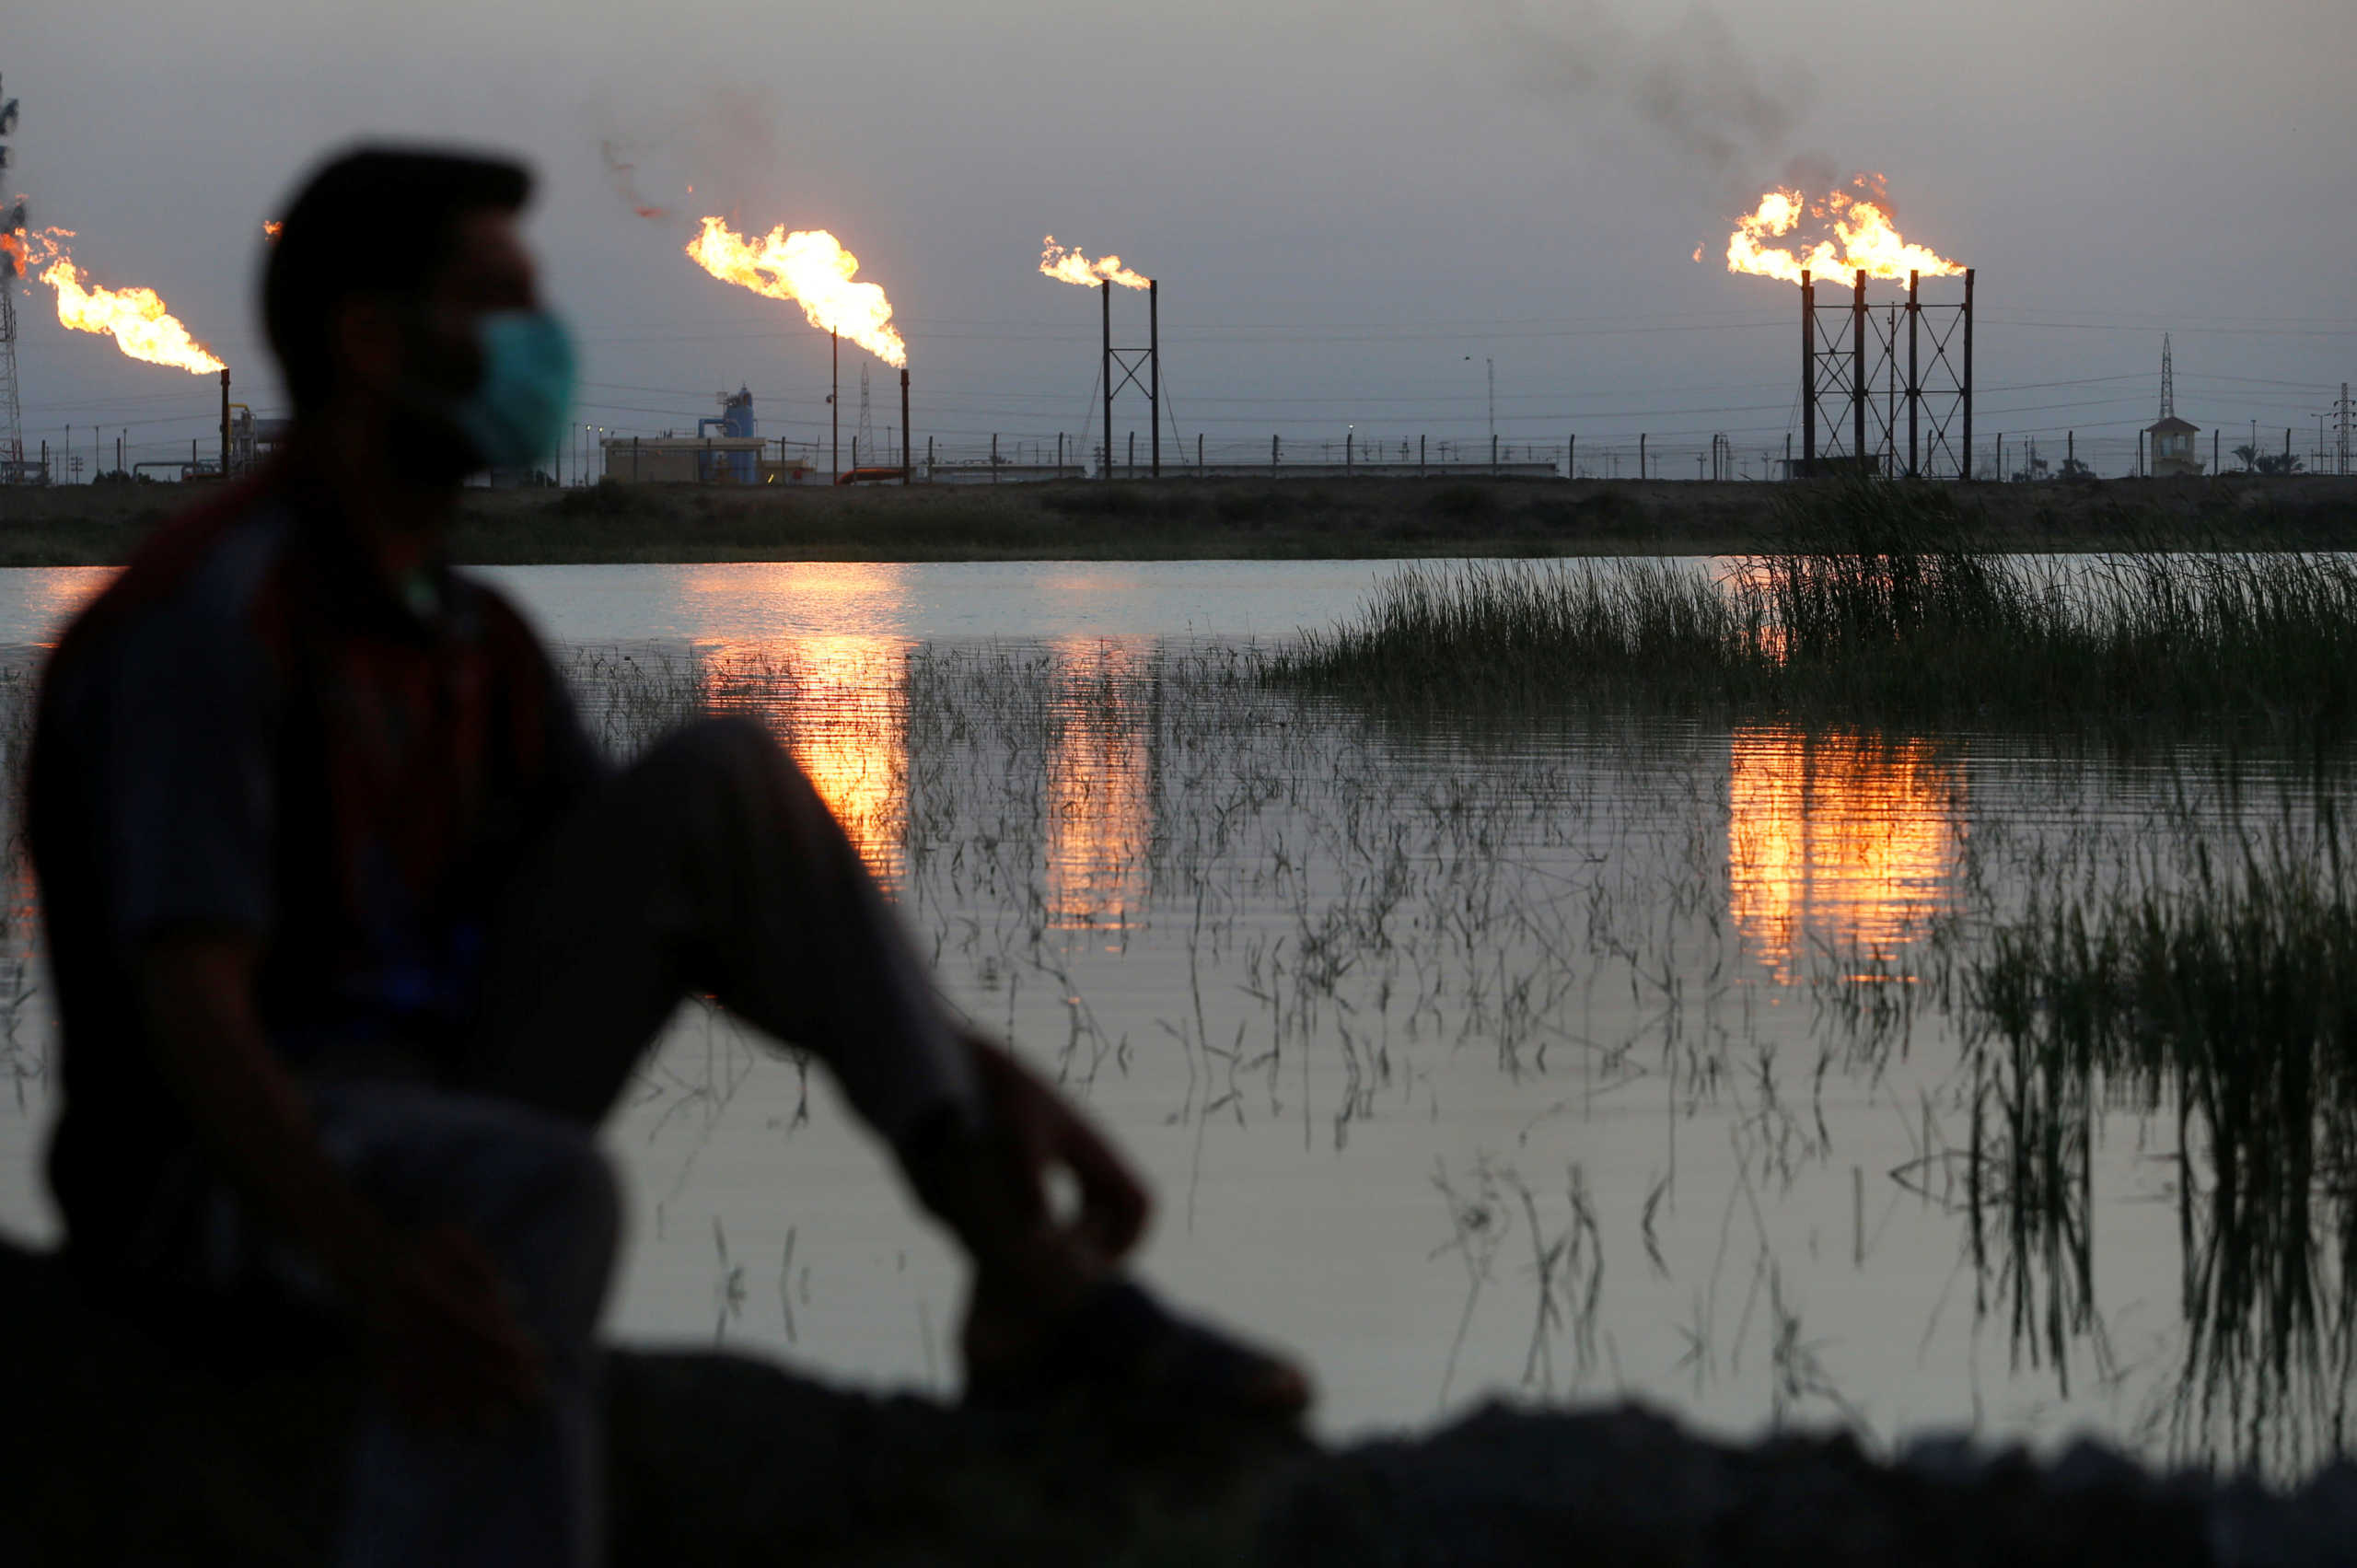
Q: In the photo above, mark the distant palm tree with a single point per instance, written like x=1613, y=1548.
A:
x=2256, y=461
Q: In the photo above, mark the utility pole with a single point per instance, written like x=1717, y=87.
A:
x=1154, y=367
x=1858, y=373
x=1808, y=381
x=1494, y=408
x=1914, y=385
x=1106, y=289
x=2341, y=409
x=835, y=404
x=864, y=435
x=12, y=419
x=1967, y=372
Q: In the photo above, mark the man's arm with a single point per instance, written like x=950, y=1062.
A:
x=431, y=1303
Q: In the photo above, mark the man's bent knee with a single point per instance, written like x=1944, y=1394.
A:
x=728, y=746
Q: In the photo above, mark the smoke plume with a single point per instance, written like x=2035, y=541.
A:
x=717, y=150
x=1690, y=84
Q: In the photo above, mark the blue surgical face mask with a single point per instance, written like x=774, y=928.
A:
x=516, y=414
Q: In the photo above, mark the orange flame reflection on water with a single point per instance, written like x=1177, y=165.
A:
x=1100, y=788
x=850, y=739
x=1846, y=839
x=836, y=703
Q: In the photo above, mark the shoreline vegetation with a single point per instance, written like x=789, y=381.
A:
x=1874, y=605
x=1238, y=518
x=2213, y=1006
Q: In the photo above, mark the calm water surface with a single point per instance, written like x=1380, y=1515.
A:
x=1581, y=1058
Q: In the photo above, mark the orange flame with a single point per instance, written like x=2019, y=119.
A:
x=142, y=328
x=11, y=247
x=1071, y=266
x=1852, y=233
x=808, y=268
x=270, y=228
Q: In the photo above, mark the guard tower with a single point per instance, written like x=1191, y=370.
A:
x=2171, y=437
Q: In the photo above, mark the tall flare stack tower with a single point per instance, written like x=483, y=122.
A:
x=12, y=468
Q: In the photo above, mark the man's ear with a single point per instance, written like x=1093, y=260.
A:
x=368, y=342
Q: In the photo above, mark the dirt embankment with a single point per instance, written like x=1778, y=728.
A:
x=1231, y=518
x=120, y=1449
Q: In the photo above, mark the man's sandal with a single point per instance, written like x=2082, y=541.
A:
x=1121, y=1345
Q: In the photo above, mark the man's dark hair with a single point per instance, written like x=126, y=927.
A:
x=373, y=220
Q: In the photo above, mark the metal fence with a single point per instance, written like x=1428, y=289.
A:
x=2000, y=457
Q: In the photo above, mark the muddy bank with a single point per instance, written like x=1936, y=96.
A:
x=1224, y=519
x=119, y=1450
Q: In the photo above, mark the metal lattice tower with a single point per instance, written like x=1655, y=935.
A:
x=1861, y=409
x=12, y=267
x=863, y=438
x=1122, y=368
x=2169, y=381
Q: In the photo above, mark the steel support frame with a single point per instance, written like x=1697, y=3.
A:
x=1139, y=367
x=1842, y=362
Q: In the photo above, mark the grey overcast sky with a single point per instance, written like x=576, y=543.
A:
x=1351, y=206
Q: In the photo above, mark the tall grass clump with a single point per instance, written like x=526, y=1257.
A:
x=1519, y=629
x=2229, y=1006
x=1875, y=607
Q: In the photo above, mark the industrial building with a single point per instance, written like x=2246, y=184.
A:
x=728, y=448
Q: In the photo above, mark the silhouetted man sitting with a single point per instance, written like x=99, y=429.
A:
x=356, y=937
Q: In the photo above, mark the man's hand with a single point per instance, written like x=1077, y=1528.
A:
x=992, y=1185
x=432, y=1304
x=442, y=1335
x=1048, y=1135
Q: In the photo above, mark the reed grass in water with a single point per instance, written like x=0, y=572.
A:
x=2229, y=1002
x=1874, y=609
